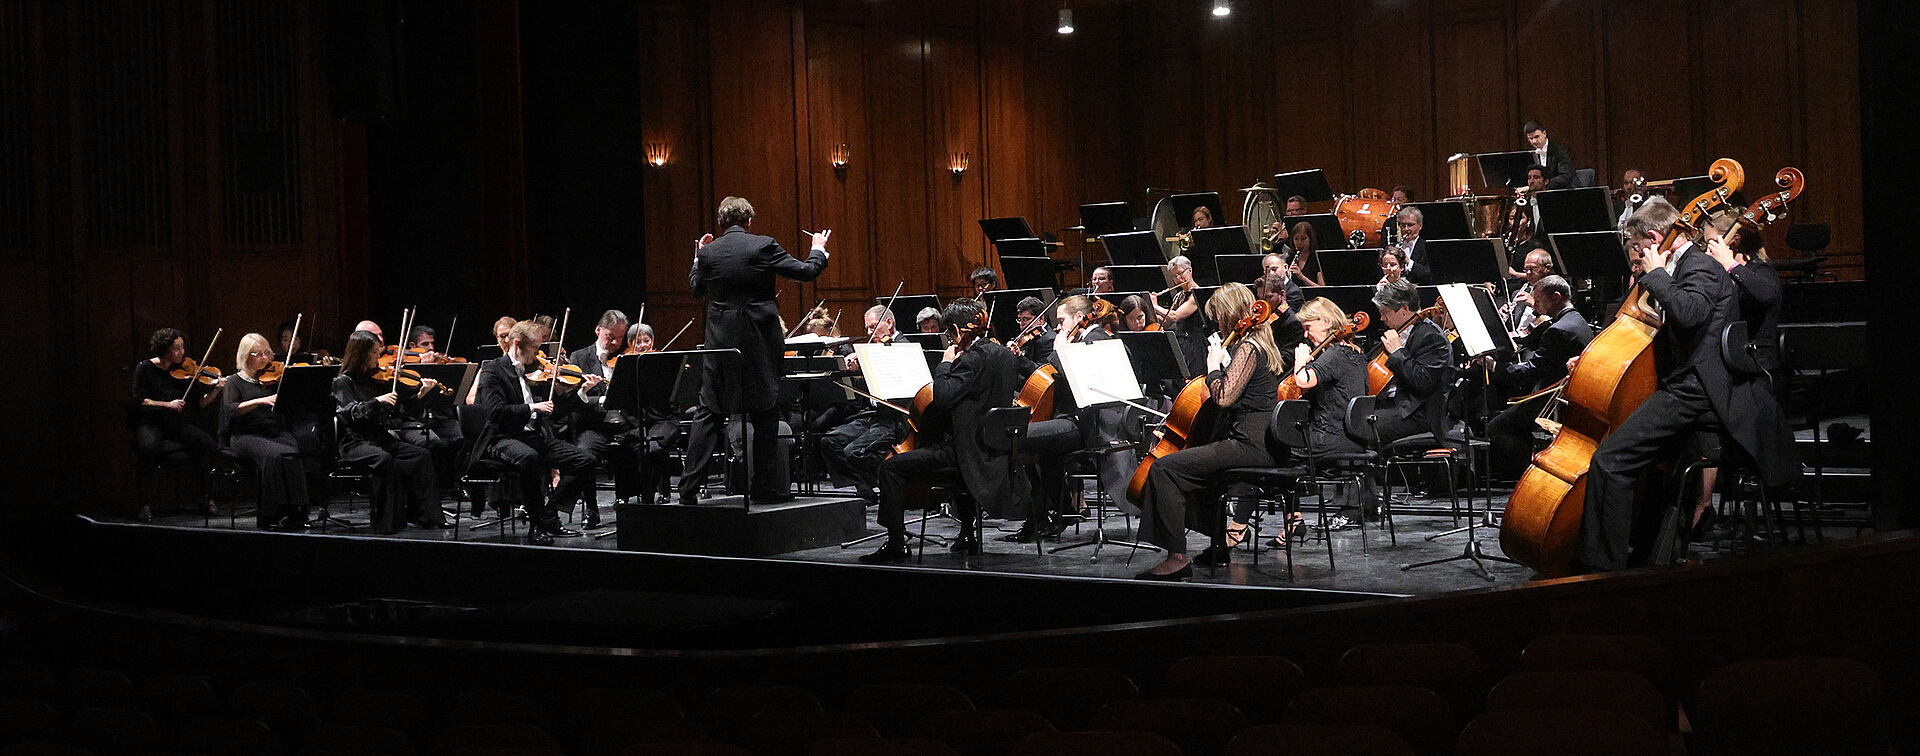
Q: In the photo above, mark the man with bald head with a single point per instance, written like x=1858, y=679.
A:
x=373, y=328
x=1520, y=312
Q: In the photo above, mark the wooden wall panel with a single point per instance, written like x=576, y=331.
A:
x=677, y=198
x=1649, y=111
x=1470, y=100
x=1827, y=62
x=953, y=115
x=895, y=59
x=1390, y=92
x=1313, y=115
x=754, y=140
x=842, y=200
x=1559, y=59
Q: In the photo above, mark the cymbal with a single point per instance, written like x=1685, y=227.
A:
x=1257, y=187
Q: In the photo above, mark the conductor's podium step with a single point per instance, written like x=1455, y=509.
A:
x=722, y=527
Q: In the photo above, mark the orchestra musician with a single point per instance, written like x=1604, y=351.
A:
x=1202, y=218
x=928, y=321
x=1183, y=316
x=289, y=342
x=374, y=433
x=1555, y=334
x=1554, y=157
x=854, y=449
x=1402, y=195
x=1275, y=264
x=1051, y=439
x=281, y=453
x=1421, y=359
x=1100, y=281
x=162, y=414
x=1296, y=207
x=610, y=436
x=1288, y=330
x=966, y=384
x=1519, y=313
x=658, y=429
x=520, y=417
x=1134, y=313
x=1243, y=385
x=1629, y=185
x=736, y=272
x=983, y=280
x=421, y=338
x=1392, y=266
x=1038, y=349
x=1306, y=261
x=1327, y=383
x=1411, y=222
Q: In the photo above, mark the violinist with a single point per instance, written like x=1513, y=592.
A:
x=1327, y=381
x=1275, y=264
x=375, y=434
x=974, y=375
x=421, y=340
x=1038, y=348
x=1695, y=298
x=854, y=449
x=521, y=419
x=1418, y=353
x=162, y=411
x=610, y=436
x=373, y=328
x=1134, y=315
x=1412, y=221
x=502, y=329
x=256, y=431
x=435, y=410
x=657, y=429
x=1557, y=333
x=928, y=321
x=289, y=343
x=1243, y=380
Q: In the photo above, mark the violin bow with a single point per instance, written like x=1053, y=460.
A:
x=804, y=316
x=195, y=378
x=560, y=346
x=676, y=337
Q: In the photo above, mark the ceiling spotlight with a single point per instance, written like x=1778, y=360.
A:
x=1221, y=9
x=1066, y=21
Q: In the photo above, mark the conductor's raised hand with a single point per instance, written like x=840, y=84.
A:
x=820, y=238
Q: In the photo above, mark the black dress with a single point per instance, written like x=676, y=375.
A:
x=404, y=487
x=258, y=436
x=1245, y=392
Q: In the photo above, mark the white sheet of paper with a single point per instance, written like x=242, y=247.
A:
x=1466, y=319
x=1100, y=372
x=893, y=371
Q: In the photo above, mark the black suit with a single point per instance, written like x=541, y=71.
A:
x=981, y=378
x=736, y=272
x=526, y=441
x=1542, y=360
x=1757, y=421
x=1418, y=271
x=610, y=436
x=1559, y=165
x=1415, y=400
x=1695, y=301
x=1296, y=298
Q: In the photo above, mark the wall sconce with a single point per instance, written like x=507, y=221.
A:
x=957, y=163
x=657, y=153
x=839, y=155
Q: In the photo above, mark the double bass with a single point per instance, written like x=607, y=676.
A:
x=1193, y=410
x=1615, y=374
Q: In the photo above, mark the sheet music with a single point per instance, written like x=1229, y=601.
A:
x=1469, y=320
x=1100, y=372
x=893, y=371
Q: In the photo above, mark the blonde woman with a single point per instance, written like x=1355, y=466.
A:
x=256, y=432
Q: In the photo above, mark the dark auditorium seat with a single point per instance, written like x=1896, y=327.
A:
x=1305, y=740
x=1449, y=669
x=285, y=707
x=730, y=708
x=895, y=708
x=611, y=736
x=24, y=721
x=1095, y=744
x=1200, y=726
x=393, y=709
x=1419, y=716
x=1792, y=706
x=177, y=696
x=1622, y=692
x=881, y=747
x=591, y=705
x=336, y=739
x=981, y=733
x=97, y=687
x=791, y=733
x=1562, y=732
x=1259, y=686
x=501, y=738
x=1067, y=696
x=113, y=730
x=226, y=736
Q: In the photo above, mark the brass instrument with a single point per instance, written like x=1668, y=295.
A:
x=1182, y=241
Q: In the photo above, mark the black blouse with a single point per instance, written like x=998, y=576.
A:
x=1246, y=392
x=1341, y=373
x=259, y=421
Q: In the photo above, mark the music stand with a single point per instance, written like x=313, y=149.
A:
x=1508, y=169
x=1243, y=268
x=1001, y=304
x=1478, y=324
x=1031, y=272
x=1000, y=229
x=1183, y=205
x=486, y=352
x=932, y=342
x=1310, y=185
x=1156, y=356
x=1350, y=267
x=1210, y=243
x=1564, y=211
x=1102, y=218
x=1025, y=246
x=638, y=380
x=1467, y=260
x=1689, y=187
x=1200, y=296
x=1590, y=255
x=1147, y=278
x=552, y=348
x=1326, y=229
x=306, y=393
x=906, y=306
x=1446, y=219
x=1132, y=248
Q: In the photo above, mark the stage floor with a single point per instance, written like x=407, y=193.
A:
x=1370, y=564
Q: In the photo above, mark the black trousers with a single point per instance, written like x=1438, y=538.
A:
x=283, y=477
x=703, y=440
x=532, y=455
x=161, y=434
x=902, y=475
x=619, y=447
x=855, y=449
x=1510, y=437
x=1050, y=441
x=1667, y=419
x=1177, y=481
x=404, y=487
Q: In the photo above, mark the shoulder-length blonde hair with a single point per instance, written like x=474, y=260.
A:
x=1229, y=305
x=247, y=344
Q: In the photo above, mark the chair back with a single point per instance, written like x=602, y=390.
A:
x=1004, y=428
x=1363, y=423
x=1289, y=425
x=477, y=433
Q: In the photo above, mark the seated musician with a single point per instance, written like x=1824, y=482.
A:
x=1202, y=218
x=1183, y=317
x=610, y=436
x=1631, y=183
x=1038, y=349
x=1554, y=157
x=289, y=343
x=1287, y=328
x=1243, y=380
x=1134, y=315
x=966, y=384
x=1557, y=333
x=162, y=413
x=1519, y=313
x=1402, y=195
x=1411, y=222
x=1296, y=207
x=854, y=449
x=422, y=339
x=1695, y=298
x=819, y=323
x=1306, y=261
x=1392, y=266
x=1100, y=281
x=373, y=328
x=1051, y=439
x=928, y=321
x=983, y=280
x=257, y=433
x=375, y=433
x=521, y=420
x=1415, y=400
x=1275, y=264
x=660, y=431
x=436, y=410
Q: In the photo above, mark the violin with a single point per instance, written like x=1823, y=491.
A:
x=614, y=359
x=189, y=370
x=1377, y=373
x=1614, y=375
x=1193, y=410
x=1289, y=388
x=405, y=378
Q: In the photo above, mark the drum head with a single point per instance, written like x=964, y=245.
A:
x=1166, y=226
x=1365, y=216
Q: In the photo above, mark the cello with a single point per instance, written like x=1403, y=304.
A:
x=1614, y=375
x=1193, y=410
x=918, y=419
x=1037, y=392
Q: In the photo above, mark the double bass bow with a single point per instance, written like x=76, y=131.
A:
x=1614, y=375
x=1193, y=410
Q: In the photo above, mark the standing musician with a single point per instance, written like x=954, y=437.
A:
x=736, y=272
x=1556, y=334
x=374, y=434
x=255, y=431
x=855, y=448
x=1244, y=384
x=966, y=384
x=521, y=419
x=1275, y=264
x=1306, y=260
x=1415, y=400
x=1183, y=317
x=160, y=416
x=609, y=435
x=1411, y=222
x=1696, y=298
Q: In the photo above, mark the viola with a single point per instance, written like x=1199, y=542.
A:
x=1614, y=375
x=1193, y=410
x=1289, y=388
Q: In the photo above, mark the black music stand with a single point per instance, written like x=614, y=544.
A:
x=1201, y=294
x=1591, y=254
x=1508, y=169
x=1147, y=278
x=553, y=350
x=1326, y=229
x=1689, y=187
x=1443, y=220
x=1001, y=229
x=1024, y=246
x=1133, y=248
x=1349, y=267
x=649, y=384
x=1102, y=218
x=1001, y=303
x=1243, y=268
x=1156, y=356
x=306, y=393
x=1209, y=244
x=932, y=342
x=486, y=352
x=1183, y=205
x=1467, y=260
x=1310, y=185
x=1032, y=272
x=1564, y=211
x=906, y=306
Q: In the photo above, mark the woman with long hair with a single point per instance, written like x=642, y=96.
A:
x=371, y=420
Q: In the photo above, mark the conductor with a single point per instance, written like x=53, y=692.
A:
x=735, y=272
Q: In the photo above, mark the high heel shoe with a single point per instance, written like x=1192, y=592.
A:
x=1236, y=533
x=1296, y=530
